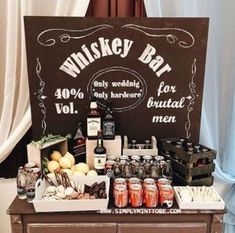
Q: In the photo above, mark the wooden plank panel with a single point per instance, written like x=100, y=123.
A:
x=71, y=227
x=163, y=228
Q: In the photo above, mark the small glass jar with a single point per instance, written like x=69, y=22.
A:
x=109, y=168
x=30, y=185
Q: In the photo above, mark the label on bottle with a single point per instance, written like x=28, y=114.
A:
x=99, y=161
x=30, y=193
x=93, y=126
x=20, y=190
x=109, y=128
x=79, y=150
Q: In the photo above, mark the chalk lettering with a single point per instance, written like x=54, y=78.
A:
x=165, y=103
x=165, y=88
x=147, y=58
x=163, y=119
x=88, y=54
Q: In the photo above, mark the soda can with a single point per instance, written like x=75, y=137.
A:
x=120, y=196
x=150, y=196
x=148, y=181
x=133, y=180
x=166, y=196
x=136, y=195
x=119, y=181
x=163, y=181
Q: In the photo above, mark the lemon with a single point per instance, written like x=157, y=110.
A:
x=53, y=166
x=65, y=162
x=71, y=158
x=55, y=155
x=82, y=167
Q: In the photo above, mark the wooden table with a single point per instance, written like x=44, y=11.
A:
x=24, y=219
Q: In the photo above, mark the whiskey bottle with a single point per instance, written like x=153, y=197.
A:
x=99, y=155
x=79, y=145
x=109, y=123
x=93, y=120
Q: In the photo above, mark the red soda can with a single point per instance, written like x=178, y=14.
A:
x=162, y=181
x=120, y=196
x=119, y=181
x=133, y=180
x=166, y=196
x=148, y=181
x=136, y=195
x=150, y=196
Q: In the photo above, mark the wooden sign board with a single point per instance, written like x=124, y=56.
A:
x=151, y=69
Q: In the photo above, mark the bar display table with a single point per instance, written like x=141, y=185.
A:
x=24, y=219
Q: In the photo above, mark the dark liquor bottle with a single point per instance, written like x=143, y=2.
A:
x=79, y=145
x=109, y=123
x=99, y=155
x=93, y=120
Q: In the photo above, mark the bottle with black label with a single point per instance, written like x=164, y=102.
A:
x=93, y=120
x=79, y=145
x=21, y=183
x=100, y=155
x=109, y=123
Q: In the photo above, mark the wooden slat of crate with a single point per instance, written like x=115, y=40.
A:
x=211, y=154
x=207, y=181
x=195, y=171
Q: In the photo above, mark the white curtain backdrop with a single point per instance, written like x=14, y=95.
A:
x=218, y=110
x=15, y=116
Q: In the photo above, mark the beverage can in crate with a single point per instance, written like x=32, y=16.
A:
x=120, y=196
x=150, y=196
x=136, y=195
x=166, y=196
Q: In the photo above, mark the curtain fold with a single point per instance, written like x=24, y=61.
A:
x=14, y=94
x=218, y=109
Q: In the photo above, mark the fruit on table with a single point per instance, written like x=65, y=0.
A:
x=92, y=173
x=78, y=173
x=71, y=158
x=82, y=167
x=68, y=171
x=65, y=162
x=55, y=155
x=53, y=166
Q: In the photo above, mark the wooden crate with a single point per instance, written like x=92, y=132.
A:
x=184, y=164
x=140, y=150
